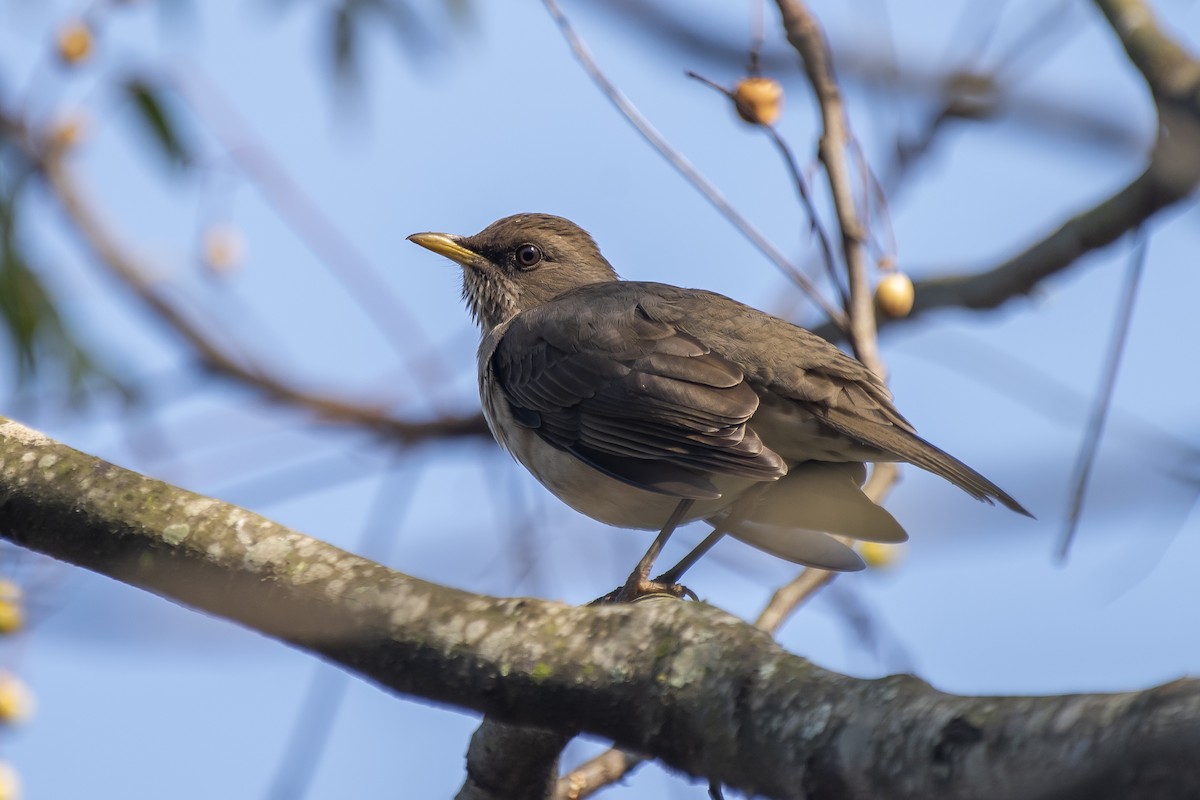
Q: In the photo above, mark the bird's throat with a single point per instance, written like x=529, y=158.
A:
x=491, y=298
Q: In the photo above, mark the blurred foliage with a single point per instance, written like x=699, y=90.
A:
x=351, y=19
x=36, y=340
x=37, y=337
x=351, y=22
x=158, y=119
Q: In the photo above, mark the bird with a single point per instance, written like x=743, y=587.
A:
x=646, y=405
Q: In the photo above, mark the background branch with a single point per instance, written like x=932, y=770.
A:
x=95, y=233
x=1172, y=175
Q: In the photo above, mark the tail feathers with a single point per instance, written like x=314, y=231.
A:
x=810, y=548
x=797, y=517
x=907, y=446
x=939, y=462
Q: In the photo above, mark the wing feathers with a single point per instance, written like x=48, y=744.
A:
x=640, y=379
x=633, y=397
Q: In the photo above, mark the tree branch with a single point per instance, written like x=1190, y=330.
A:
x=685, y=167
x=505, y=762
x=697, y=689
x=1172, y=175
x=1091, y=230
x=805, y=35
x=50, y=162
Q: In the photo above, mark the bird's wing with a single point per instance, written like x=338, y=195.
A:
x=797, y=366
x=593, y=374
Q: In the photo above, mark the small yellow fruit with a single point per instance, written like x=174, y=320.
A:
x=74, y=42
x=16, y=700
x=224, y=248
x=10, y=782
x=758, y=100
x=12, y=618
x=894, y=294
x=879, y=555
x=12, y=615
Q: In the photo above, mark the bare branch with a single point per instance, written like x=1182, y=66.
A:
x=1102, y=400
x=1173, y=174
x=1170, y=71
x=345, y=262
x=507, y=761
x=697, y=689
x=685, y=167
x=808, y=39
x=86, y=220
x=1096, y=228
x=791, y=596
x=592, y=776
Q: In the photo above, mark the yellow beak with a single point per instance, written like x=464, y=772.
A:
x=445, y=244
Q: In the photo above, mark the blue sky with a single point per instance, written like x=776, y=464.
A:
x=138, y=697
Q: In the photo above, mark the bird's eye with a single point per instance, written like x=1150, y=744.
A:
x=528, y=255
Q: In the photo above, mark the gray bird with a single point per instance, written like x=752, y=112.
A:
x=644, y=405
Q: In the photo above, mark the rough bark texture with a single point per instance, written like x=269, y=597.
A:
x=699, y=690
x=507, y=762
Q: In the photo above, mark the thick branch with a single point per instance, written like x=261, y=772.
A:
x=507, y=762
x=703, y=692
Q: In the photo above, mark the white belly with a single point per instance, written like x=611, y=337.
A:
x=593, y=493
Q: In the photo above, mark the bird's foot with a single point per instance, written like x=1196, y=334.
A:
x=641, y=588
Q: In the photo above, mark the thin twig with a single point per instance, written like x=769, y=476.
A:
x=593, y=775
x=683, y=34
x=806, y=36
x=343, y=259
x=1173, y=77
x=758, y=35
x=1018, y=276
x=95, y=233
x=791, y=596
x=801, y=189
x=685, y=167
x=1103, y=398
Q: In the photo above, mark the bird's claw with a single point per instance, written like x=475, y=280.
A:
x=637, y=589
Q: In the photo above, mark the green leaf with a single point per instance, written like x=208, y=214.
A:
x=37, y=333
x=158, y=120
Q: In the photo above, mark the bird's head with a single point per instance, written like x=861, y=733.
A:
x=520, y=262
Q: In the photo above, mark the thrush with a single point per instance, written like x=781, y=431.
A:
x=645, y=405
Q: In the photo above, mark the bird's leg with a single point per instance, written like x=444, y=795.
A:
x=639, y=582
x=673, y=575
x=737, y=514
